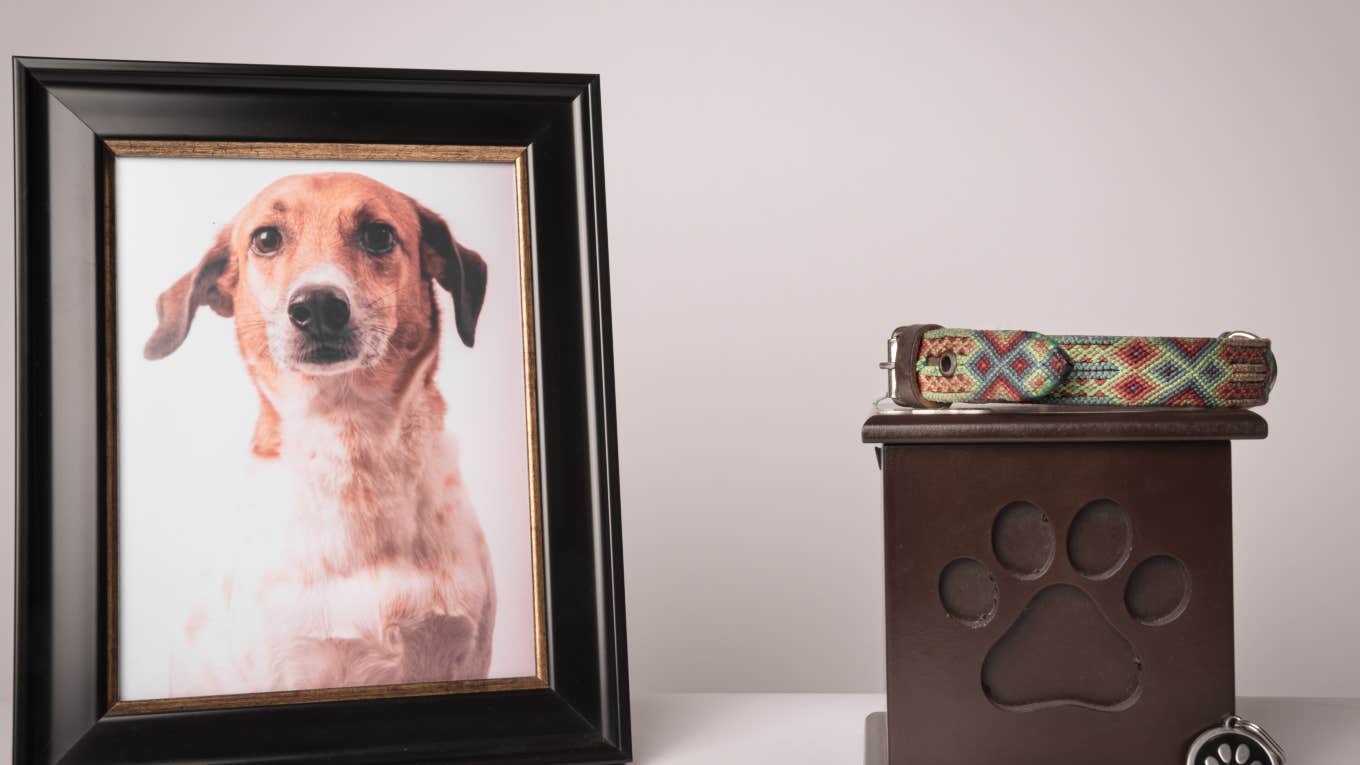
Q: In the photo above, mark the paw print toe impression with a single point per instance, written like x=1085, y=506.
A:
x=1030, y=665
x=1022, y=539
x=1242, y=754
x=968, y=592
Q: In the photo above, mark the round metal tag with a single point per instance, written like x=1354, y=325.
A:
x=1235, y=742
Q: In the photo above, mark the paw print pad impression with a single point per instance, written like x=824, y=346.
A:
x=1030, y=664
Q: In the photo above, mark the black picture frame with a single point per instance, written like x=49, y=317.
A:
x=65, y=112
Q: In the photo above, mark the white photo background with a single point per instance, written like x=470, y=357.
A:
x=185, y=421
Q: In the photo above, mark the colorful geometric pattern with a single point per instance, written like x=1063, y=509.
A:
x=987, y=365
x=1014, y=366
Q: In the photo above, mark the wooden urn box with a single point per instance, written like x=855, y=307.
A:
x=1059, y=584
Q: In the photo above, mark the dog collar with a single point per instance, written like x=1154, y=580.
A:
x=930, y=366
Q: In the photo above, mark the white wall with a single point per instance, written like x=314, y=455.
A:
x=789, y=181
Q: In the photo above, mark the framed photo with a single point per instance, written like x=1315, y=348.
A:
x=317, y=453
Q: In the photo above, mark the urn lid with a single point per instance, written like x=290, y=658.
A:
x=1026, y=423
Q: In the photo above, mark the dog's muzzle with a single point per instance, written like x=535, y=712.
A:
x=321, y=315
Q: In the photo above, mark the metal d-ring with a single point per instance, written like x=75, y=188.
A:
x=1271, y=745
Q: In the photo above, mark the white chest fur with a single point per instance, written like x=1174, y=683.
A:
x=358, y=561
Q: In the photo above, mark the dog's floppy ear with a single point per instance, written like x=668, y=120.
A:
x=208, y=283
x=458, y=269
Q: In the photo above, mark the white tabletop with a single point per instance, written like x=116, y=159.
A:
x=828, y=729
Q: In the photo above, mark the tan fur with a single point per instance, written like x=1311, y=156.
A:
x=376, y=570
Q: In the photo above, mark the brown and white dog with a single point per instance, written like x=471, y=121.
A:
x=374, y=569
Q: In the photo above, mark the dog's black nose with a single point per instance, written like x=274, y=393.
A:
x=320, y=312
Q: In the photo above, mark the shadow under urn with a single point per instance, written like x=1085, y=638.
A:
x=1059, y=584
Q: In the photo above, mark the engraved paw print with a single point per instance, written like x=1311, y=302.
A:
x=1030, y=665
x=1245, y=753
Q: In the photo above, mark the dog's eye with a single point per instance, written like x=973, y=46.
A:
x=377, y=238
x=266, y=241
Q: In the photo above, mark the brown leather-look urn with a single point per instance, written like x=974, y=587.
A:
x=1058, y=583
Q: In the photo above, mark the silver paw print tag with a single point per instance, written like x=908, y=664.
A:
x=1235, y=742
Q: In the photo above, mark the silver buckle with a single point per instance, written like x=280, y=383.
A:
x=891, y=366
